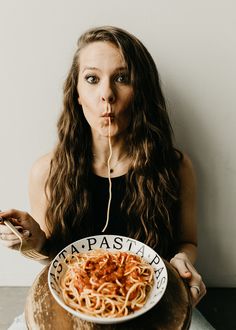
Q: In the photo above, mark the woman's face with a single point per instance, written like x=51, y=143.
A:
x=103, y=79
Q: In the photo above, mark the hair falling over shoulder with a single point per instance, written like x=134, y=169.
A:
x=152, y=188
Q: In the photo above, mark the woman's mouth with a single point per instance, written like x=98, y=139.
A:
x=108, y=115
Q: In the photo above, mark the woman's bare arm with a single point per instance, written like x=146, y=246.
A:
x=32, y=226
x=37, y=196
x=188, y=211
x=184, y=260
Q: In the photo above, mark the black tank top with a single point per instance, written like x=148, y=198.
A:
x=118, y=219
x=100, y=195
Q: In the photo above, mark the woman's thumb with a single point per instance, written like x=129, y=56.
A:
x=26, y=233
x=182, y=268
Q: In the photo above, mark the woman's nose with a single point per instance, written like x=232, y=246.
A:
x=107, y=93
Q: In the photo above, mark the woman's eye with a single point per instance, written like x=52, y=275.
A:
x=122, y=78
x=91, y=79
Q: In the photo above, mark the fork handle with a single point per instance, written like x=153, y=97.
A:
x=13, y=229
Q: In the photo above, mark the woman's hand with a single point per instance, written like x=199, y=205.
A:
x=27, y=226
x=187, y=271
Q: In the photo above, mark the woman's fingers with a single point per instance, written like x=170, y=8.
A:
x=18, y=218
x=31, y=229
x=181, y=266
x=9, y=239
x=15, y=216
x=197, y=287
x=12, y=213
x=13, y=244
x=193, y=278
x=197, y=292
x=6, y=236
x=5, y=230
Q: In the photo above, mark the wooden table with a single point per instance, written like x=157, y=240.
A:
x=173, y=312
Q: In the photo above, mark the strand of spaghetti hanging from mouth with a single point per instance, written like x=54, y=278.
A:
x=109, y=169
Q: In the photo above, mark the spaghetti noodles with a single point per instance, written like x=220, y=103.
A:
x=106, y=284
x=108, y=170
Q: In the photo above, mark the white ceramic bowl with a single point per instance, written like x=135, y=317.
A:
x=110, y=243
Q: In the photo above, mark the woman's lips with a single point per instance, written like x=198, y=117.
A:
x=108, y=118
x=108, y=115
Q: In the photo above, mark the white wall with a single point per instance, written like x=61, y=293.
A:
x=194, y=45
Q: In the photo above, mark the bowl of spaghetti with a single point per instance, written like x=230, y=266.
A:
x=107, y=278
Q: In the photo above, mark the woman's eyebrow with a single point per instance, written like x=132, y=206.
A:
x=122, y=68
x=90, y=68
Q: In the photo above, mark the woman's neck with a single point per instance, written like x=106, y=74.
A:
x=102, y=150
x=113, y=158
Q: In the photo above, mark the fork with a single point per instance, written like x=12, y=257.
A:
x=24, y=248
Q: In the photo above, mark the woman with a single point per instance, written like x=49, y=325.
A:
x=114, y=124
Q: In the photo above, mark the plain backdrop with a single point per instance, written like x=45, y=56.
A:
x=194, y=46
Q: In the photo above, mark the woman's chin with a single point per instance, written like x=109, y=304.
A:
x=105, y=131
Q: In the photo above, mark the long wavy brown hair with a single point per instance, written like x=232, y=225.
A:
x=152, y=187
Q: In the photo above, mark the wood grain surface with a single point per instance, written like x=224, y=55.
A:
x=173, y=312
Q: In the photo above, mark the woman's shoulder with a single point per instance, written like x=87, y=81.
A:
x=185, y=162
x=40, y=168
x=186, y=169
